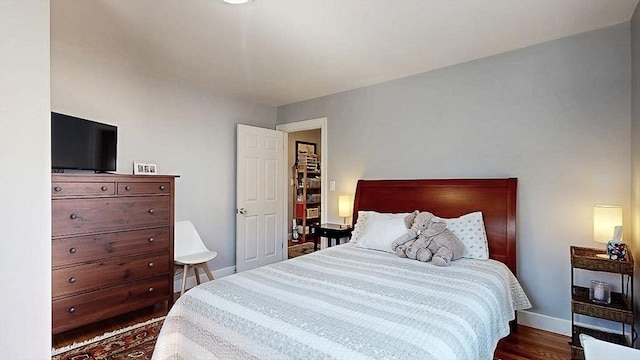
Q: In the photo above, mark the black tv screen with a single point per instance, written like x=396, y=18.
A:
x=82, y=144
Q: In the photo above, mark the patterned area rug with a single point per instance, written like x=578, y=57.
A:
x=133, y=342
x=301, y=249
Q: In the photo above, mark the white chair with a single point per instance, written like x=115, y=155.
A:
x=595, y=349
x=190, y=252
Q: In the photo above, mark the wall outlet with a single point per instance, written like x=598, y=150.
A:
x=332, y=185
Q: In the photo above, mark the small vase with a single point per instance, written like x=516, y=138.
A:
x=616, y=250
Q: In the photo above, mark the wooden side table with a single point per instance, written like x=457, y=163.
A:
x=330, y=231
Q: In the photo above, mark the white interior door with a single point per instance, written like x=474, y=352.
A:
x=259, y=197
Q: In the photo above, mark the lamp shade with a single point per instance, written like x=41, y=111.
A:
x=605, y=219
x=344, y=206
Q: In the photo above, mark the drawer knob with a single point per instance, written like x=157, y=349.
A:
x=150, y=290
x=72, y=310
x=73, y=216
x=161, y=187
x=57, y=189
x=72, y=280
x=127, y=187
x=151, y=239
x=104, y=188
x=73, y=250
x=151, y=264
x=151, y=211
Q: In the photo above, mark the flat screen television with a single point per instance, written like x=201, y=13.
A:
x=82, y=144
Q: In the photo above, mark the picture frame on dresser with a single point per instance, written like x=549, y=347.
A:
x=145, y=168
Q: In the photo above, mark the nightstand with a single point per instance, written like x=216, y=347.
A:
x=619, y=310
x=330, y=231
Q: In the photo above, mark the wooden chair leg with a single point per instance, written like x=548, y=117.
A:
x=208, y=271
x=196, y=272
x=184, y=279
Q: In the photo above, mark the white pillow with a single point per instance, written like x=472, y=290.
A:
x=469, y=228
x=361, y=224
x=381, y=230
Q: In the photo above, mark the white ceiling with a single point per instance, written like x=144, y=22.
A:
x=278, y=52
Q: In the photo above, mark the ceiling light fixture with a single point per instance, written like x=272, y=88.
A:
x=237, y=2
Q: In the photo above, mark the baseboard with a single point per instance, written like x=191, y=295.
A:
x=191, y=279
x=556, y=325
x=544, y=322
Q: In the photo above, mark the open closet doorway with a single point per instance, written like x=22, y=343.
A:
x=306, y=187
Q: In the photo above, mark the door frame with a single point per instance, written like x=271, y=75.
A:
x=312, y=124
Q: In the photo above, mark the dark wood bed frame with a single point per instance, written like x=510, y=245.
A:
x=449, y=198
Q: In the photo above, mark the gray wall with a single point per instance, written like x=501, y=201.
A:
x=187, y=130
x=25, y=175
x=555, y=115
x=635, y=154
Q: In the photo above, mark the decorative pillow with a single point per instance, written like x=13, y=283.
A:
x=469, y=228
x=381, y=230
x=361, y=225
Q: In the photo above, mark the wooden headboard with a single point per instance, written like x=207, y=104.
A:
x=449, y=198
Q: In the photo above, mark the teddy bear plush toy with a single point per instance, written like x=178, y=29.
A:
x=428, y=238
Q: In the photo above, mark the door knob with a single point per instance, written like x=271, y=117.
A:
x=241, y=211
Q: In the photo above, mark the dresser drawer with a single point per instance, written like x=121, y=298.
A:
x=144, y=188
x=87, y=308
x=80, y=249
x=85, y=216
x=109, y=272
x=59, y=189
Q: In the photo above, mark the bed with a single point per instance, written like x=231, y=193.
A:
x=348, y=302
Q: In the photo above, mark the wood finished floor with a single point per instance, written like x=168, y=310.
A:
x=530, y=343
x=526, y=343
x=294, y=243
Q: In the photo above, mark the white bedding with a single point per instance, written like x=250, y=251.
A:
x=346, y=303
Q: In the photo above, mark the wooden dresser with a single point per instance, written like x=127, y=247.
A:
x=112, y=245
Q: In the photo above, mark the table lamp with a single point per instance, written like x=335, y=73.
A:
x=607, y=227
x=344, y=207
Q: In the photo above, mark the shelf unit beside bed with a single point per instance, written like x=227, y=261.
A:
x=621, y=308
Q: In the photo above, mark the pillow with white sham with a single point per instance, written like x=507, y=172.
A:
x=360, y=227
x=469, y=228
x=381, y=230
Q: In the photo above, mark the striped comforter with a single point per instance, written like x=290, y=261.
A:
x=346, y=303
